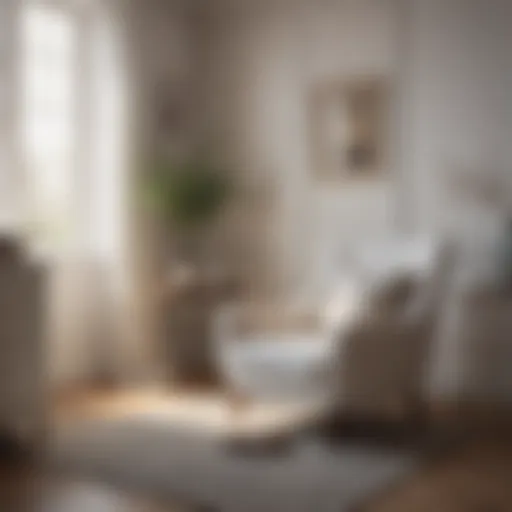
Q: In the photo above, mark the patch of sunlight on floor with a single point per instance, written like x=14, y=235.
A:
x=206, y=411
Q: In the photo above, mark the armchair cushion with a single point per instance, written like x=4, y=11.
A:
x=273, y=351
x=258, y=318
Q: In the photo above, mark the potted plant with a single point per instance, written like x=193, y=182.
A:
x=188, y=197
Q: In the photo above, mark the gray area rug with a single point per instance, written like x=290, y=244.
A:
x=192, y=466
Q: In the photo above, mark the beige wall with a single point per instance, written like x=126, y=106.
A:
x=263, y=59
x=248, y=68
x=451, y=63
x=161, y=52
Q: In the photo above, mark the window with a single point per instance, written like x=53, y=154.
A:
x=72, y=128
x=48, y=104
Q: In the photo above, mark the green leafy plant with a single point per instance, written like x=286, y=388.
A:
x=189, y=195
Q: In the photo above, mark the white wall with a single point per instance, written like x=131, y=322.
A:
x=458, y=83
x=342, y=40
x=265, y=58
x=459, y=86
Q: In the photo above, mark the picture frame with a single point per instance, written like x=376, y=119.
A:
x=349, y=129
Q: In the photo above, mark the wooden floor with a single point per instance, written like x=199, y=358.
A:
x=476, y=478
x=201, y=410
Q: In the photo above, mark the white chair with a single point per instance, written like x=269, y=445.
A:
x=364, y=352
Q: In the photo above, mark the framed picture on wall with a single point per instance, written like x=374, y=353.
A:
x=349, y=129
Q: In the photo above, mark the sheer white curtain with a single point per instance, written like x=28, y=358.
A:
x=47, y=124
x=72, y=152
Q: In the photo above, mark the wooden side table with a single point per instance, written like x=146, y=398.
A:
x=188, y=306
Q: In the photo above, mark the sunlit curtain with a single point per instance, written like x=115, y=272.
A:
x=72, y=154
x=49, y=95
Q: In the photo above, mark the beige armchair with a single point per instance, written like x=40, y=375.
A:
x=383, y=356
x=366, y=352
